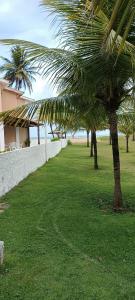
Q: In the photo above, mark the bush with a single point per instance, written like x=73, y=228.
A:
x=69, y=143
x=27, y=143
x=55, y=139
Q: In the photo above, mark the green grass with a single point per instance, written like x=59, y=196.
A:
x=60, y=240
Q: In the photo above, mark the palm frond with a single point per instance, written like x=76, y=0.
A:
x=46, y=110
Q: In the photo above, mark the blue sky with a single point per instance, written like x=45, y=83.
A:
x=29, y=21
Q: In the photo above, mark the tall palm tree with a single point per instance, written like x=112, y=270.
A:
x=96, y=61
x=18, y=70
x=92, y=120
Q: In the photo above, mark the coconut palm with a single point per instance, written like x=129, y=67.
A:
x=127, y=113
x=18, y=70
x=125, y=125
x=92, y=120
x=96, y=61
x=131, y=108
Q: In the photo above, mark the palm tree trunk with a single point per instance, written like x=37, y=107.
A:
x=110, y=139
x=95, y=150
x=51, y=130
x=116, y=161
x=133, y=135
x=91, y=145
x=88, y=138
x=127, y=144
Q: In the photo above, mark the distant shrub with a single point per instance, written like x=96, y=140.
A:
x=55, y=139
x=69, y=143
x=27, y=143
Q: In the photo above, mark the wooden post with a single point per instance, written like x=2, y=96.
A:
x=38, y=131
x=28, y=130
x=46, y=142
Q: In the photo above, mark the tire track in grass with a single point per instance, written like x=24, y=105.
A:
x=70, y=244
x=38, y=227
x=82, y=254
x=60, y=236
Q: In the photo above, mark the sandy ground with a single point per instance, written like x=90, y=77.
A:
x=82, y=140
x=78, y=140
x=74, y=140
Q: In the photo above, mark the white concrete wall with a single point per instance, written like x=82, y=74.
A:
x=17, y=136
x=18, y=164
x=2, y=138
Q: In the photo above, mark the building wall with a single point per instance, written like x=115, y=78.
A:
x=0, y=99
x=11, y=99
x=23, y=132
x=18, y=164
x=9, y=134
x=2, y=141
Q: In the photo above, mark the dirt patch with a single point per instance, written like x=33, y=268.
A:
x=78, y=140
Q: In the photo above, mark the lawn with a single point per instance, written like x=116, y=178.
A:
x=62, y=241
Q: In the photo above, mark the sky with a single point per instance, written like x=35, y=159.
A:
x=27, y=20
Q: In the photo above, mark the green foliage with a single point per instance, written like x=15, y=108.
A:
x=95, y=62
x=126, y=124
x=55, y=139
x=60, y=236
x=27, y=143
x=18, y=70
x=69, y=143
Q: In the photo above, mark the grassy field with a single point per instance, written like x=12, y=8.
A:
x=61, y=239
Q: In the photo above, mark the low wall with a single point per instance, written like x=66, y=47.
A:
x=18, y=164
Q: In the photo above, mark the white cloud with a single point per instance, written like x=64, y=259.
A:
x=39, y=86
x=41, y=89
x=5, y=7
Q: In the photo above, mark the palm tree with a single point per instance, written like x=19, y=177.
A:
x=132, y=100
x=96, y=61
x=18, y=70
x=125, y=125
x=92, y=120
x=88, y=138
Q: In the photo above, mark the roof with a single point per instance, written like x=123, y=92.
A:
x=17, y=122
x=13, y=91
x=5, y=84
x=27, y=99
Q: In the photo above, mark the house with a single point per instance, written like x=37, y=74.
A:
x=11, y=136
